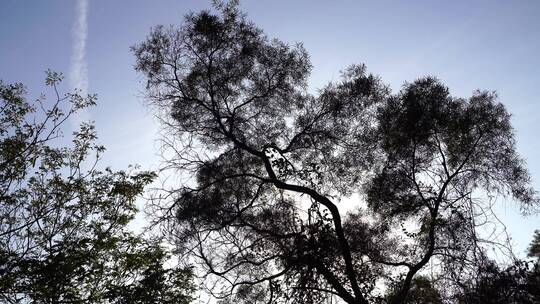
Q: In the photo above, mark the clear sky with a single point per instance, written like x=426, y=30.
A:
x=493, y=45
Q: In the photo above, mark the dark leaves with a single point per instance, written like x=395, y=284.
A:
x=63, y=222
x=247, y=129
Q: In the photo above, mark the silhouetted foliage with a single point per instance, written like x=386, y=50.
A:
x=534, y=247
x=518, y=283
x=422, y=291
x=290, y=197
x=63, y=222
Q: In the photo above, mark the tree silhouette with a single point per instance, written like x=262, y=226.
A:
x=288, y=196
x=534, y=247
x=63, y=222
x=517, y=283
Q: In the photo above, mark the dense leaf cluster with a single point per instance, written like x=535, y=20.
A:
x=293, y=197
x=63, y=222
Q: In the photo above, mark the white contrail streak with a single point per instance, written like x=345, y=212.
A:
x=79, y=71
x=78, y=74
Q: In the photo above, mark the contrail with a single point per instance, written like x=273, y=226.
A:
x=78, y=74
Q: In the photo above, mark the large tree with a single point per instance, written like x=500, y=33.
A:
x=63, y=222
x=288, y=196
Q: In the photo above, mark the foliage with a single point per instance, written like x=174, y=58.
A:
x=422, y=291
x=518, y=283
x=269, y=170
x=63, y=223
x=534, y=247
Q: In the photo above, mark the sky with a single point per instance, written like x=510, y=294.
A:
x=492, y=45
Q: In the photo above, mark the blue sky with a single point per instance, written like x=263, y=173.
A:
x=493, y=45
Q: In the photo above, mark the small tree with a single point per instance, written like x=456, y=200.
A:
x=516, y=283
x=63, y=222
x=534, y=247
x=269, y=170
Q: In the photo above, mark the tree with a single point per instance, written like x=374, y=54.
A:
x=534, y=247
x=63, y=222
x=516, y=283
x=288, y=196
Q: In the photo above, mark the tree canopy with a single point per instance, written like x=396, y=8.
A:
x=63, y=222
x=290, y=196
x=534, y=247
x=268, y=167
